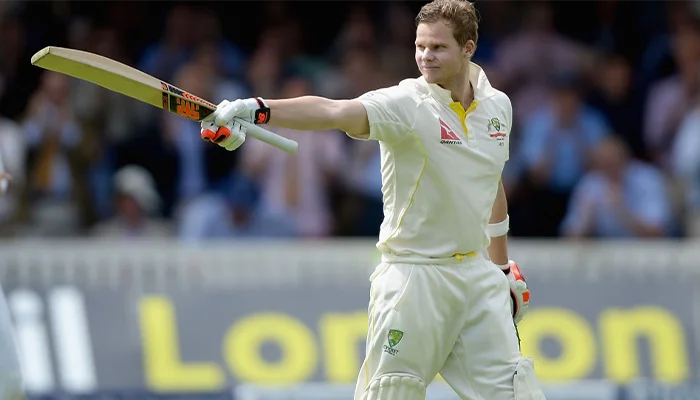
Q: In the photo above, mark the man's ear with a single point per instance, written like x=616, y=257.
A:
x=469, y=49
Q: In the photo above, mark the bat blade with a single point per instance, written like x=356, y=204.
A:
x=121, y=78
x=129, y=81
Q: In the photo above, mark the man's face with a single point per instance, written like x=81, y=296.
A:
x=566, y=103
x=129, y=208
x=56, y=87
x=610, y=159
x=438, y=55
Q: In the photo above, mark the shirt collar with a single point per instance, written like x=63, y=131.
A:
x=482, y=87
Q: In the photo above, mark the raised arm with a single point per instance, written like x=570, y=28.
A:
x=312, y=113
x=382, y=114
x=308, y=113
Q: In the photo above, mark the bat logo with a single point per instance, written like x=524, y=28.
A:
x=187, y=109
x=172, y=89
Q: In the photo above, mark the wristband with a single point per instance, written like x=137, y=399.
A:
x=262, y=114
x=499, y=228
x=505, y=268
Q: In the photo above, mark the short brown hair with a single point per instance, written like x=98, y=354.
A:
x=458, y=14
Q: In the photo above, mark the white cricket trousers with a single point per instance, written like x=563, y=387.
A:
x=453, y=319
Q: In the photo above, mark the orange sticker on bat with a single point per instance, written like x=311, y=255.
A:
x=187, y=109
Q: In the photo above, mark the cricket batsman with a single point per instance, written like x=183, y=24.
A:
x=11, y=382
x=445, y=298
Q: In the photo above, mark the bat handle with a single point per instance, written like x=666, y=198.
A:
x=273, y=139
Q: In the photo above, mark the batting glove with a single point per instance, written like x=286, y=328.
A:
x=253, y=110
x=519, y=293
x=229, y=136
x=223, y=127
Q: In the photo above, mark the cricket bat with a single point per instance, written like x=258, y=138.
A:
x=131, y=82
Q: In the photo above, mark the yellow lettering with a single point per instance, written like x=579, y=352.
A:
x=163, y=368
x=620, y=330
x=340, y=334
x=243, y=340
x=571, y=331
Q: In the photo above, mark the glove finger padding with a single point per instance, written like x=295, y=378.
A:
x=208, y=131
x=209, y=127
x=223, y=133
x=236, y=135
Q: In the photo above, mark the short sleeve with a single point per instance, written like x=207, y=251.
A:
x=509, y=120
x=388, y=111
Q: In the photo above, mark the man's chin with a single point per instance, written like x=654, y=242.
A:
x=431, y=76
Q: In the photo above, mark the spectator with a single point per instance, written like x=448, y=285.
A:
x=164, y=58
x=13, y=152
x=671, y=98
x=232, y=213
x=295, y=188
x=230, y=59
x=556, y=144
x=136, y=205
x=686, y=166
x=397, y=43
x=614, y=96
x=620, y=198
x=526, y=58
x=55, y=188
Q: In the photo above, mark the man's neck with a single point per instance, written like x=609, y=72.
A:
x=461, y=89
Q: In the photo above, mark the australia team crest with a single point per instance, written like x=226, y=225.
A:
x=497, y=130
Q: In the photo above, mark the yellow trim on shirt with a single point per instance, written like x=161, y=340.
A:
x=462, y=113
x=415, y=186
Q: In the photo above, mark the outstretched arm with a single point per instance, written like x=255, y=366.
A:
x=381, y=115
x=312, y=113
x=309, y=113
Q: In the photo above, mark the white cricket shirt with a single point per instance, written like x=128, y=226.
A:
x=440, y=164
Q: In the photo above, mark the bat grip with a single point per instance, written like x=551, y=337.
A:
x=273, y=139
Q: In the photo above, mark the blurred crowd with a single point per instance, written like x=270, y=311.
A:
x=605, y=142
